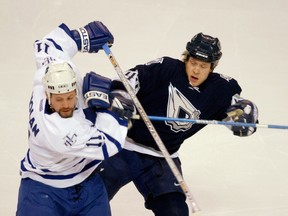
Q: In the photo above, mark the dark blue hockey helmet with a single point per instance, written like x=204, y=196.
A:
x=205, y=48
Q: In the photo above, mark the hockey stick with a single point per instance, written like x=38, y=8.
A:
x=194, y=207
x=203, y=121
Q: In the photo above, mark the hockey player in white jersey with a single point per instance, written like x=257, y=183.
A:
x=67, y=140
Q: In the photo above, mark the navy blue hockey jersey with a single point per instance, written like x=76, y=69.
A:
x=163, y=89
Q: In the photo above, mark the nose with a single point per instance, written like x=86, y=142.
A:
x=65, y=104
x=196, y=70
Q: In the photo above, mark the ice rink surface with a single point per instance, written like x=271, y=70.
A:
x=228, y=175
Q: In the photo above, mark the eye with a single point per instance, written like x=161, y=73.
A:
x=193, y=63
x=70, y=98
x=204, y=66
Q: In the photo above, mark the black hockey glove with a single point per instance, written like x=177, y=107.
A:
x=96, y=90
x=243, y=111
x=92, y=37
x=122, y=105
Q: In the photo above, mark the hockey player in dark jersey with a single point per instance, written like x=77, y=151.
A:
x=187, y=88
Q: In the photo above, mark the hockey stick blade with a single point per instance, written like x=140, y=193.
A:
x=191, y=201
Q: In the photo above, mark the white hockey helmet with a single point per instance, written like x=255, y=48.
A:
x=59, y=78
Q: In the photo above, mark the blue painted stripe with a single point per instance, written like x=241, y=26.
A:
x=29, y=160
x=63, y=177
x=55, y=44
x=117, y=144
x=79, y=162
x=106, y=49
x=98, y=141
x=105, y=151
x=23, y=168
x=66, y=29
x=203, y=121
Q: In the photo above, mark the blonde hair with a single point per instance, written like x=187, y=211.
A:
x=184, y=56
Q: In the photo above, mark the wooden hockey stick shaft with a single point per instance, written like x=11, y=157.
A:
x=191, y=201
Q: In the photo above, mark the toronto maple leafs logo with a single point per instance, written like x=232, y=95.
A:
x=180, y=107
x=70, y=139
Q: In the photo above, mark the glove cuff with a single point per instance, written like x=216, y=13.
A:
x=81, y=38
x=102, y=99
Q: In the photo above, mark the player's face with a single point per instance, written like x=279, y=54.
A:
x=197, y=71
x=64, y=104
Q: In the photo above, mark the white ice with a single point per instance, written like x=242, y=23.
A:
x=228, y=175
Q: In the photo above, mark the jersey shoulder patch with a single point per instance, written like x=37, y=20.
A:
x=227, y=78
x=155, y=61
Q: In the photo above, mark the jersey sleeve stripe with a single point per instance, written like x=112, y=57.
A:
x=55, y=44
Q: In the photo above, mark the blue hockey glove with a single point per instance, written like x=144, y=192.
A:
x=122, y=105
x=92, y=37
x=243, y=111
x=96, y=90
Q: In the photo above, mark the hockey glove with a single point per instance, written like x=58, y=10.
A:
x=122, y=105
x=96, y=90
x=92, y=37
x=243, y=111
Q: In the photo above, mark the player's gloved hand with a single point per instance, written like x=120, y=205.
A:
x=243, y=111
x=122, y=105
x=92, y=37
x=96, y=89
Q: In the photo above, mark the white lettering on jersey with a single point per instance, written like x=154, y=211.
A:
x=32, y=122
x=132, y=76
x=180, y=107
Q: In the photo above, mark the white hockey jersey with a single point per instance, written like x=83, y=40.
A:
x=65, y=151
